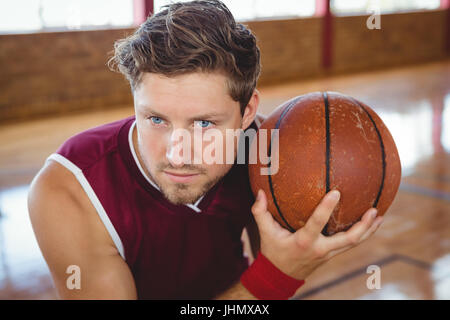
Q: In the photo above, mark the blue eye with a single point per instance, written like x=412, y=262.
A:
x=203, y=123
x=156, y=120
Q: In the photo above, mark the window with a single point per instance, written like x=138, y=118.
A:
x=343, y=7
x=48, y=15
x=262, y=9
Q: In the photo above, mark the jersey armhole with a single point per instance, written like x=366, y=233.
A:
x=78, y=173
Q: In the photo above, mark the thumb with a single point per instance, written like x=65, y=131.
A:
x=263, y=218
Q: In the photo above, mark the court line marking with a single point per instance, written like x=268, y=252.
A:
x=363, y=270
x=437, y=194
x=437, y=178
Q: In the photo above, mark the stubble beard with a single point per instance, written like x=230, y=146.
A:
x=182, y=193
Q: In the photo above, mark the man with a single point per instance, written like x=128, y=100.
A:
x=123, y=204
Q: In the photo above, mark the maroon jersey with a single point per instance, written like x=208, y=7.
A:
x=173, y=251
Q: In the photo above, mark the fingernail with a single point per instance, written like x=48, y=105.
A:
x=380, y=220
x=335, y=194
x=259, y=195
x=373, y=213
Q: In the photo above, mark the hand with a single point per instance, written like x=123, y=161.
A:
x=298, y=254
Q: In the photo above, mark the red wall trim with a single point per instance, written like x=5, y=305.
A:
x=141, y=10
x=445, y=4
x=321, y=8
x=327, y=35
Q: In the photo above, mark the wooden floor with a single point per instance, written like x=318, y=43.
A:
x=411, y=248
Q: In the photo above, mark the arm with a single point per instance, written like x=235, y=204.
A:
x=297, y=254
x=251, y=234
x=252, y=239
x=236, y=292
x=70, y=232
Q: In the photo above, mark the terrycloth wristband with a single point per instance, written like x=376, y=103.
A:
x=266, y=282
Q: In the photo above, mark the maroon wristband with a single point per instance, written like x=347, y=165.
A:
x=266, y=282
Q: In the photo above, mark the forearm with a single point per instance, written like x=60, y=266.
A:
x=236, y=292
x=250, y=239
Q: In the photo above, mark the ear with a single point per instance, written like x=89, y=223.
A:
x=250, y=110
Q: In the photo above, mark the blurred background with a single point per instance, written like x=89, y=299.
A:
x=392, y=55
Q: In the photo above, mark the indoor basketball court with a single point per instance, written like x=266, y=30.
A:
x=391, y=55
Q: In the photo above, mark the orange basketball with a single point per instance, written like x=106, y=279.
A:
x=327, y=141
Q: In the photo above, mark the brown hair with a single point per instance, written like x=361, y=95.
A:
x=195, y=36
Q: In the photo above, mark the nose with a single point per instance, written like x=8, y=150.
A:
x=178, y=151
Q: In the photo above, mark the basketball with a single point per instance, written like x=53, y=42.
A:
x=326, y=141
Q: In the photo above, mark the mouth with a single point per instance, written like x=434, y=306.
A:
x=181, y=177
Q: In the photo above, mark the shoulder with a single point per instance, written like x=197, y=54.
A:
x=59, y=207
x=52, y=181
x=90, y=145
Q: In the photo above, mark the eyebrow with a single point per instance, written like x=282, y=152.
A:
x=209, y=115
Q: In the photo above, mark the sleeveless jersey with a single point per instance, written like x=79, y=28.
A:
x=173, y=251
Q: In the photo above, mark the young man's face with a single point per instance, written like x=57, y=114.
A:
x=192, y=103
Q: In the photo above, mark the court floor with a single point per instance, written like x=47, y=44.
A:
x=411, y=248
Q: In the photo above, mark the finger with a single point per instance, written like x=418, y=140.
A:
x=373, y=228
x=264, y=220
x=338, y=251
x=376, y=224
x=352, y=236
x=321, y=214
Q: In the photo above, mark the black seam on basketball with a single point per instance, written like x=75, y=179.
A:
x=383, y=153
x=327, y=149
x=277, y=126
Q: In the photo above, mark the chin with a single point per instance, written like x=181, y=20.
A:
x=180, y=193
x=182, y=196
